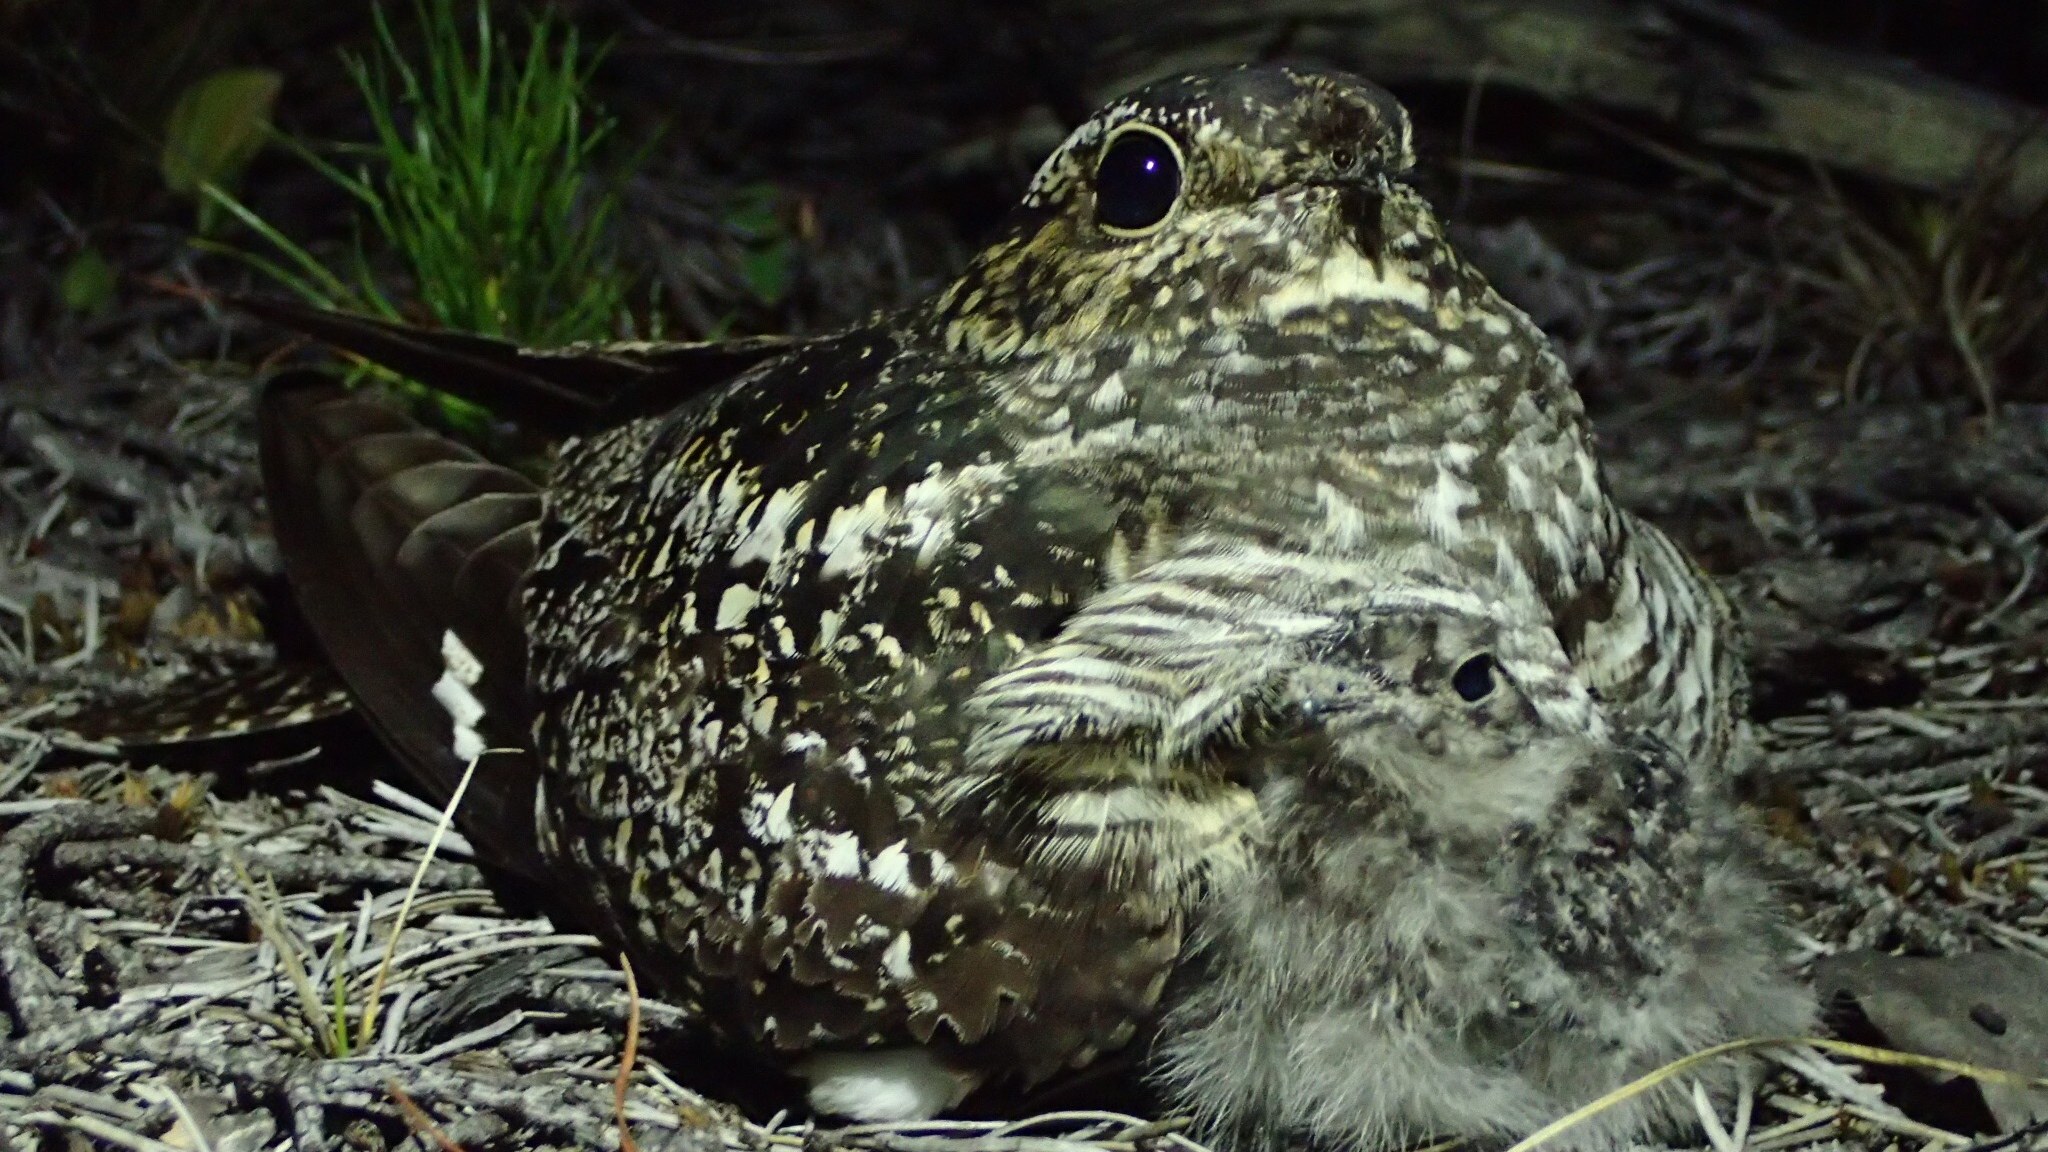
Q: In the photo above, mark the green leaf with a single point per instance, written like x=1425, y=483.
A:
x=215, y=128
x=768, y=268
x=769, y=259
x=87, y=286
x=752, y=212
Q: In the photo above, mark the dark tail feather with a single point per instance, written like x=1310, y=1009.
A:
x=563, y=388
x=406, y=552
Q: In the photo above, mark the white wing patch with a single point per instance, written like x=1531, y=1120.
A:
x=460, y=672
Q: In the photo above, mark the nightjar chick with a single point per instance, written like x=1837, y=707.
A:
x=725, y=668
x=1452, y=896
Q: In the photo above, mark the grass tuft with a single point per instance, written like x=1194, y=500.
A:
x=478, y=181
x=479, y=177
x=1935, y=295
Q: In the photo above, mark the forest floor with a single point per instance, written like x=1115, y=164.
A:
x=1809, y=385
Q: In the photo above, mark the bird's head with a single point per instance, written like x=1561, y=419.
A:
x=1455, y=705
x=1249, y=194
x=1459, y=771
x=1456, y=746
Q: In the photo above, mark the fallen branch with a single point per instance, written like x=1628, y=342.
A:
x=1725, y=76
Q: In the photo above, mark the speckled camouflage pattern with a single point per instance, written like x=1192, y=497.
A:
x=763, y=626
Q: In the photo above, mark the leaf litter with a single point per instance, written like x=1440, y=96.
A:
x=193, y=953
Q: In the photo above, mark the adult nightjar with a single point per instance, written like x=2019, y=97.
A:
x=727, y=666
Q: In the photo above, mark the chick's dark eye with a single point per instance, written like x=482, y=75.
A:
x=1343, y=158
x=1473, y=680
x=1137, y=181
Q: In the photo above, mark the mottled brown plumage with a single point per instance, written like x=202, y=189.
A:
x=761, y=651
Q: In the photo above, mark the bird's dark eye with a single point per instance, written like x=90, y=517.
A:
x=1473, y=680
x=1343, y=158
x=1137, y=181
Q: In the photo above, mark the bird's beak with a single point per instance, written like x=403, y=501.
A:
x=1362, y=204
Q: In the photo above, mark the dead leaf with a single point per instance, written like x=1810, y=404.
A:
x=1987, y=1008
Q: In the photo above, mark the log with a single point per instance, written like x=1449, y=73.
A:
x=1723, y=75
